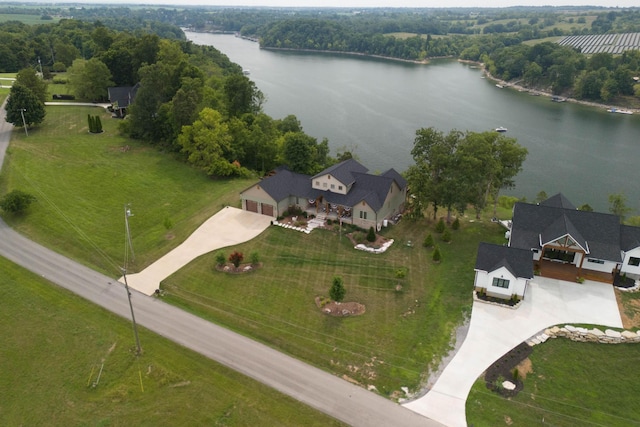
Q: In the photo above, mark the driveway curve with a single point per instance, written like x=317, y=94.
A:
x=495, y=330
x=230, y=226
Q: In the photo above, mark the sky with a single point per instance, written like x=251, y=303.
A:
x=370, y=3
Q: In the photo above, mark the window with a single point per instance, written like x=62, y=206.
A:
x=317, y=182
x=500, y=283
x=595, y=261
x=339, y=187
x=333, y=186
x=324, y=184
x=634, y=261
x=363, y=215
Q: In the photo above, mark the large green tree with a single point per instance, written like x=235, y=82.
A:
x=242, y=95
x=23, y=107
x=27, y=77
x=207, y=144
x=90, y=79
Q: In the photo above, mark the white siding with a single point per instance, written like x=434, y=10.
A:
x=485, y=280
x=630, y=269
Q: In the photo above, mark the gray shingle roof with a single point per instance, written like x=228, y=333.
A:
x=517, y=261
x=372, y=189
x=629, y=237
x=344, y=171
x=123, y=95
x=598, y=233
x=558, y=201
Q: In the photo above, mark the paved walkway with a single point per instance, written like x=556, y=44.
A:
x=230, y=226
x=494, y=330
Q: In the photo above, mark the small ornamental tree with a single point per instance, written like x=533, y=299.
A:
x=254, y=257
x=236, y=258
x=437, y=256
x=428, y=241
x=371, y=235
x=440, y=226
x=446, y=236
x=16, y=202
x=455, y=225
x=220, y=258
x=337, y=290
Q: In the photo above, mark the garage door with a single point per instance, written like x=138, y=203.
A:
x=252, y=206
x=267, y=210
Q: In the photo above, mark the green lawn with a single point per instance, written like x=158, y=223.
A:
x=571, y=384
x=54, y=345
x=392, y=345
x=83, y=181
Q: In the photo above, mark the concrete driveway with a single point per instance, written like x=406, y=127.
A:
x=230, y=226
x=494, y=330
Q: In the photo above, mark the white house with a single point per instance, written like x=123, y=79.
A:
x=502, y=272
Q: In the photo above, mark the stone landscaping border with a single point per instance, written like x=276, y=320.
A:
x=381, y=249
x=634, y=288
x=579, y=334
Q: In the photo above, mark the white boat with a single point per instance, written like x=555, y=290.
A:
x=615, y=110
x=499, y=86
x=501, y=129
x=246, y=72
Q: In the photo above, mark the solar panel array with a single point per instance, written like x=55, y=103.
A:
x=611, y=43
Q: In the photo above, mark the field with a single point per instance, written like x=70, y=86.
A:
x=26, y=18
x=67, y=362
x=83, y=181
x=568, y=384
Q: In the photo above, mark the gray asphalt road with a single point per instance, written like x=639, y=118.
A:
x=325, y=392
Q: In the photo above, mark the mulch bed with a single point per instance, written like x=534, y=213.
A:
x=502, y=370
x=485, y=297
x=340, y=309
x=623, y=282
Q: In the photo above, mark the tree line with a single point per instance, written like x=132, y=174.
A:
x=598, y=77
x=191, y=101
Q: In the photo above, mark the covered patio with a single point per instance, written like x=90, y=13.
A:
x=569, y=272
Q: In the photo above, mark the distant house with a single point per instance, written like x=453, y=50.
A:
x=121, y=97
x=344, y=191
x=566, y=243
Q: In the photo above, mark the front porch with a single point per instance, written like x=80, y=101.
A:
x=569, y=272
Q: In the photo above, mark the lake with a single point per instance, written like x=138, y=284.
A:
x=373, y=108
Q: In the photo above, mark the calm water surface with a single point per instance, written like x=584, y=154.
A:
x=374, y=107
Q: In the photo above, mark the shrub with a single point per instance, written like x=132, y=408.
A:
x=220, y=258
x=254, y=257
x=236, y=258
x=168, y=224
x=16, y=202
x=401, y=273
x=358, y=237
x=428, y=241
x=437, y=256
x=446, y=236
x=440, y=226
x=455, y=225
x=337, y=290
x=371, y=235
x=329, y=221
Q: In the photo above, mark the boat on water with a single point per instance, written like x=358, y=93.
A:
x=501, y=129
x=616, y=110
x=499, y=86
x=246, y=72
x=558, y=99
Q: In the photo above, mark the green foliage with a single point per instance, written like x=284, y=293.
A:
x=95, y=124
x=455, y=225
x=220, y=258
x=371, y=235
x=401, y=273
x=440, y=226
x=428, y=241
x=236, y=258
x=254, y=257
x=337, y=291
x=618, y=205
x=167, y=223
x=90, y=79
x=446, y=236
x=28, y=78
x=23, y=107
x=586, y=207
x=16, y=202
x=436, y=256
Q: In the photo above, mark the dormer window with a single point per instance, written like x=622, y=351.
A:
x=340, y=187
x=333, y=187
